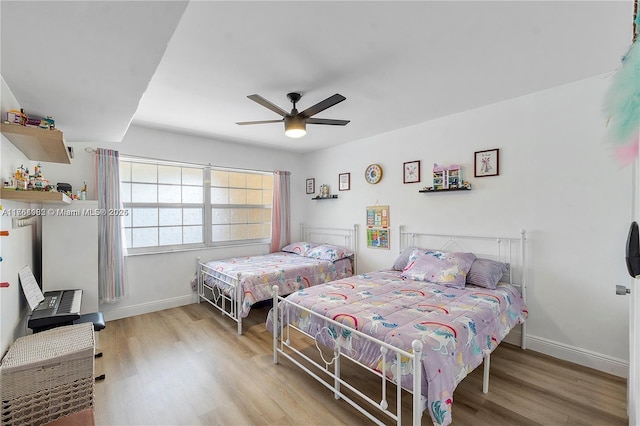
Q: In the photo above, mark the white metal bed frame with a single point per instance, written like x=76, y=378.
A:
x=283, y=345
x=229, y=303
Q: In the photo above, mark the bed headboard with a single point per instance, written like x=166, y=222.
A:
x=509, y=250
x=347, y=237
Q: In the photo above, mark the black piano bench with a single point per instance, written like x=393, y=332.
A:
x=97, y=319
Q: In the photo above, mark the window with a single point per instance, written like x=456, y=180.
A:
x=175, y=206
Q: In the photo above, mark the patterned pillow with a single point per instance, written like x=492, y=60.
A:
x=486, y=273
x=402, y=260
x=328, y=252
x=299, y=248
x=449, y=269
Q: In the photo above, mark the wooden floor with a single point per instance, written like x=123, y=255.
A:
x=187, y=366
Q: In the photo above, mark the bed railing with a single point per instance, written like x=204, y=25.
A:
x=221, y=291
x=282, y=345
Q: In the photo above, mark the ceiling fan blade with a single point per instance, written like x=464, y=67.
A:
x=244, y=123
x=321, y=106
x=327, y=121
x=265, y=103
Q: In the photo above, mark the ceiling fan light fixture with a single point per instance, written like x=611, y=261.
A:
x=295, y=126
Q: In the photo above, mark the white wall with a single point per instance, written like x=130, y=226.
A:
x=160, y=281
x=20, y=247
x=557, y=180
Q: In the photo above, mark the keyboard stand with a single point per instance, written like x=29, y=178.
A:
x=97, y=319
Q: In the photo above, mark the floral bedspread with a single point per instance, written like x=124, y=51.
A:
x=290, y=272
x=455, y=326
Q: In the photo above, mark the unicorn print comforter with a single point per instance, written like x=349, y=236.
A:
x=455, y=326
x=290, y=272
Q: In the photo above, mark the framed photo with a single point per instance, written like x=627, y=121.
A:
x=487, y=163
x=411, y=172
x=311, y=186
x=344, y=181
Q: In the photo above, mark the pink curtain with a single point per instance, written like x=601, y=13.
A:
x=280, y=229
x=110, y=231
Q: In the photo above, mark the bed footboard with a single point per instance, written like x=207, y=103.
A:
x=327, y=370
x=222, y=291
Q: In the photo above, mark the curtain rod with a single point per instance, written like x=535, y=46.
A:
x=149, y=159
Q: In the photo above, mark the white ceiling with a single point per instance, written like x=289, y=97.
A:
x=188, y=67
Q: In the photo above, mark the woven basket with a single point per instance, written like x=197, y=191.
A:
x=48, y=375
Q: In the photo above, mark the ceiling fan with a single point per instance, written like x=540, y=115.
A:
x=295, y=123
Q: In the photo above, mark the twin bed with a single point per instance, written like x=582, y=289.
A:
x=423, y=325
x=235, y=284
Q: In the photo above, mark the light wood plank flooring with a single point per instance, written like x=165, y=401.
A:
x=187, y=366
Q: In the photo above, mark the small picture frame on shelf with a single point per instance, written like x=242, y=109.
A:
x=411, y=172
x=486, y=163
x=311, y=186
x=344, y=181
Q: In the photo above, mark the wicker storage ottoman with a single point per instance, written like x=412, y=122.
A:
x=47, y=375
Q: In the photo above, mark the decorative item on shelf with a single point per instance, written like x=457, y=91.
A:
x=16, y=117
x=344, y=181
x=47, y=123
x=486, y=163
x=447, y=178
x=311, y=185
x=465, y=187
x=25, y=181
x=439, y=176
x=324, y=191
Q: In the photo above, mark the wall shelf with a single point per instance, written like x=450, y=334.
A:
x=330, y=197
x=44, y=197
x=37, y=144
x=444, y=190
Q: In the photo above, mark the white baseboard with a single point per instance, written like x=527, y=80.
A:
x=597, y=361
x=145, y=308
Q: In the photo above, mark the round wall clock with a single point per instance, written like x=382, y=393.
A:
x=373, y=173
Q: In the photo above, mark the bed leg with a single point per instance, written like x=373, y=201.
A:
x=336, y=372
x=199, y=289
x=276, y=326
x=238, y=307
x=417, y=382
x=485, y=377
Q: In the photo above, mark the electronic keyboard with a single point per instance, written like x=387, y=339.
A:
x=60, y=307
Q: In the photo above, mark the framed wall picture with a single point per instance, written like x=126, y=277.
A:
x=411, y=172
x=344, y=181
x=311, y=186
x=487, y=163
